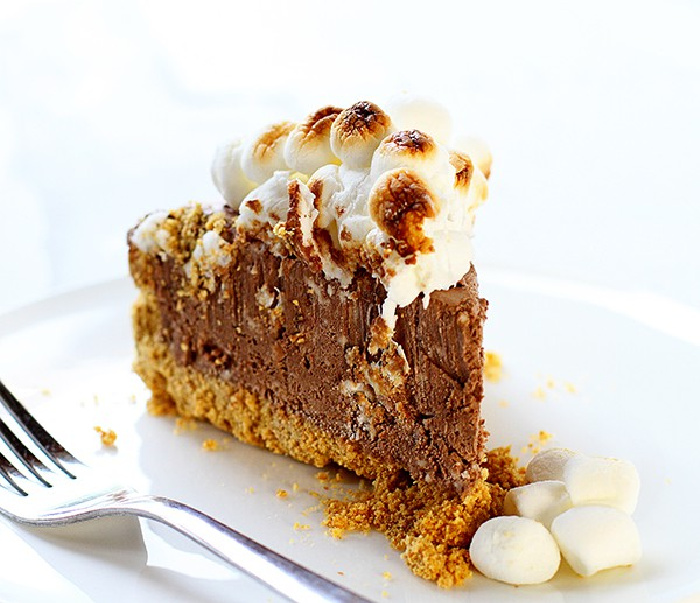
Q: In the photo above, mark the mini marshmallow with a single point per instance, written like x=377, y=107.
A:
x=416, y=151
x=227, y=173
x=264, y=154
x=515, y=550
x=409, y=111
x=548, y=465
x=541, y=501
x=602, y=481
x=477, y=149
x=268, y=203
x=308, y=146
x=357, y=132
x=594, y=538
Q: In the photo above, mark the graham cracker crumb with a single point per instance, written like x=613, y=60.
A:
x=431, y=528
x=211, y=445
x=493, y=366
x=107, y=436
x=539, y=393
x=281, y=493
x=184, y=424
x=322, y=476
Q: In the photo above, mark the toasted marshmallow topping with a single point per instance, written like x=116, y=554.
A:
x=308, y=146
x=478, y=150
x=361, y=193
x=228, y=175
x=357, y=132
x=264, y=155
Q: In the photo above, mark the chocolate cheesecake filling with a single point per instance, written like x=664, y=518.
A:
x=311, y=350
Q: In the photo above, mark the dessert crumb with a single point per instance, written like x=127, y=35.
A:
x=432, y=530
x=250, y=490
x=322, y=476
x=539, y=393
x=184, y=424
x=387, y=575
x=45, y=392
x=493, y=366
x=570, y=387
x=281, y=493
x=301, y=526
x=550, y=383
x=211, y=445
x=341, y=573
x=107, y=436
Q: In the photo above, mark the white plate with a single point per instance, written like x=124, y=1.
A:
x=632, y=358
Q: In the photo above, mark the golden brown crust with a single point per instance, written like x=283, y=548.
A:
x=399, y=204
x=464, y=166
x=319, y=122
x=269, y=139
x=410, y=142
x=362, y=120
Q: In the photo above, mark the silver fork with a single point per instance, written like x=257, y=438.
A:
x=66, y=491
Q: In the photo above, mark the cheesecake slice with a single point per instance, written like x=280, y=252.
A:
x=328, y=309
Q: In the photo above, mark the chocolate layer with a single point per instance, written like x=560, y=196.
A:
x=275, y=327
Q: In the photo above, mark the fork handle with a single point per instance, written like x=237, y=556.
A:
x=288, y=578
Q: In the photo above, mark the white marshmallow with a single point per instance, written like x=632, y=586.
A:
x=262, y=156
x=548, y=465
x=477, y=149
x=602, y=481
x=541, y=501
x=594, y=538
x=308, y=146
x=146, y=234
x=515, y=550
x=273, y=195
x=227, y=173
x=410, y=111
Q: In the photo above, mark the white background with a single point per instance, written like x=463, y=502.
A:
x=591, y=109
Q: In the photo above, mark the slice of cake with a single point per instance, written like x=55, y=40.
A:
x=329, y=311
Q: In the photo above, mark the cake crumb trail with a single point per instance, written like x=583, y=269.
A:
x=493, y=366
x=108, y=437
x=431, y=529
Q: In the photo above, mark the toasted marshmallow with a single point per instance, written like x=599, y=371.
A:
x=548, y=465
x=541, y=501
x=593, y=538
x=416, y=151
x=471, y=188
x=477, y=149
x=148, y=235
x=515, y=550
x=399, y=203
x=264, y=154
x=268, y=203
x=409, y=111
x=357, y=132
x=308, y=146
x=602, y=481
x=227, y=173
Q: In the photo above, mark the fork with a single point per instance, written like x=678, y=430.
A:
x=65, y=491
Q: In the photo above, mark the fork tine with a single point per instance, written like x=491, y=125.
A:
x=8, y=471
x=26, y=456
x=42, y=438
